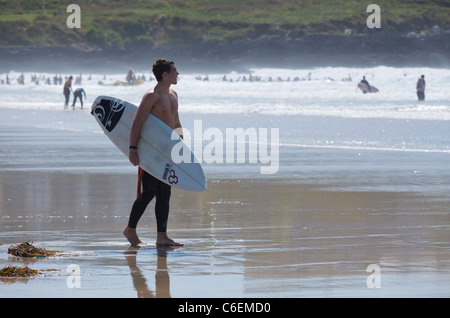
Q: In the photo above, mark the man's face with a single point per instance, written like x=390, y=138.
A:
x=173, y=75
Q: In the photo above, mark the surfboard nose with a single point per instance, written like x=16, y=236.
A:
x=203, y=185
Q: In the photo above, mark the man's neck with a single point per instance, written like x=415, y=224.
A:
x=163, y=87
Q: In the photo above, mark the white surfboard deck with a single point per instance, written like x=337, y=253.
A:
x=365, y=88
x=115, y=117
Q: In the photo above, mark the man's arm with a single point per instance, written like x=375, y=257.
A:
x=177, y=124
x=177, y=128
x=148, y=102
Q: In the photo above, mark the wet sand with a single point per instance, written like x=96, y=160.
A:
x=243, y=238
x=312, y=230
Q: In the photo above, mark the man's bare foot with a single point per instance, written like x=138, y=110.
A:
x=163, y=240
x=132, y=237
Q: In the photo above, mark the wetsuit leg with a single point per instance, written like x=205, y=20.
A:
x=162, y=206
x=140, y=204
x=76, y=95
x=67, y=95
x=151, y=187
x=139, y=207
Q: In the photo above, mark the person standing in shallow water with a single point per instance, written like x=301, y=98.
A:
x=67, y=90
x=364, y=81
x=162, y=102
x=420, y=87
x=78, y=93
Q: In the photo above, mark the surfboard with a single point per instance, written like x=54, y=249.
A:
x=365, y=88
x=115, y=116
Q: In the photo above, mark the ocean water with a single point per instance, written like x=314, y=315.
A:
x=327, y=129
x=315, y=92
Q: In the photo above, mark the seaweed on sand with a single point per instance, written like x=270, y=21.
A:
x=28, y=250
x=14, y=271
x=14, y=274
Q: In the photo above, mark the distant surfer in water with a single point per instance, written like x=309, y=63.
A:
x=364, y=81
x=162, y=102
x=420, y=86
x=67, y=90
x=78, y=93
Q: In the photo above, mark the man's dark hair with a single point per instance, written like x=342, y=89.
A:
x=160, y=66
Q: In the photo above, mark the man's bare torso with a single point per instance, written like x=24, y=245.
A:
x=162, y=102
x=166, y=107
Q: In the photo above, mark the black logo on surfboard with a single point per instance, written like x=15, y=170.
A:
x=109, y=112
x=167, y=170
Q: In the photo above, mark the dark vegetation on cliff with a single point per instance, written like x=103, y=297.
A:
x=162, y=23
x=222, y=34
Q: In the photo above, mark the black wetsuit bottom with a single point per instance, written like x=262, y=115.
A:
x=421, y=95
x=77, y=95
x=152, y=187
x=67, y=96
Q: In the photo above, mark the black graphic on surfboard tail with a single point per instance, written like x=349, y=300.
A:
x=109, y=112
x=169, y=174
x=167, y=170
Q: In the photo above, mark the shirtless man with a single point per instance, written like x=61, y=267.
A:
x=162, y=102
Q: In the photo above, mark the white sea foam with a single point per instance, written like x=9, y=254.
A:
x=312, y=92
x=319, y=107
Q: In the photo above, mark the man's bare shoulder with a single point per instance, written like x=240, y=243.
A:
x=151, y=93
x=149, y=98
x=174, y=93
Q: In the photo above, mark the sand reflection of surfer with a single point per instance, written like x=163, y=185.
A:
x=162, y=279
x=162, y=102
x=67, y=90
